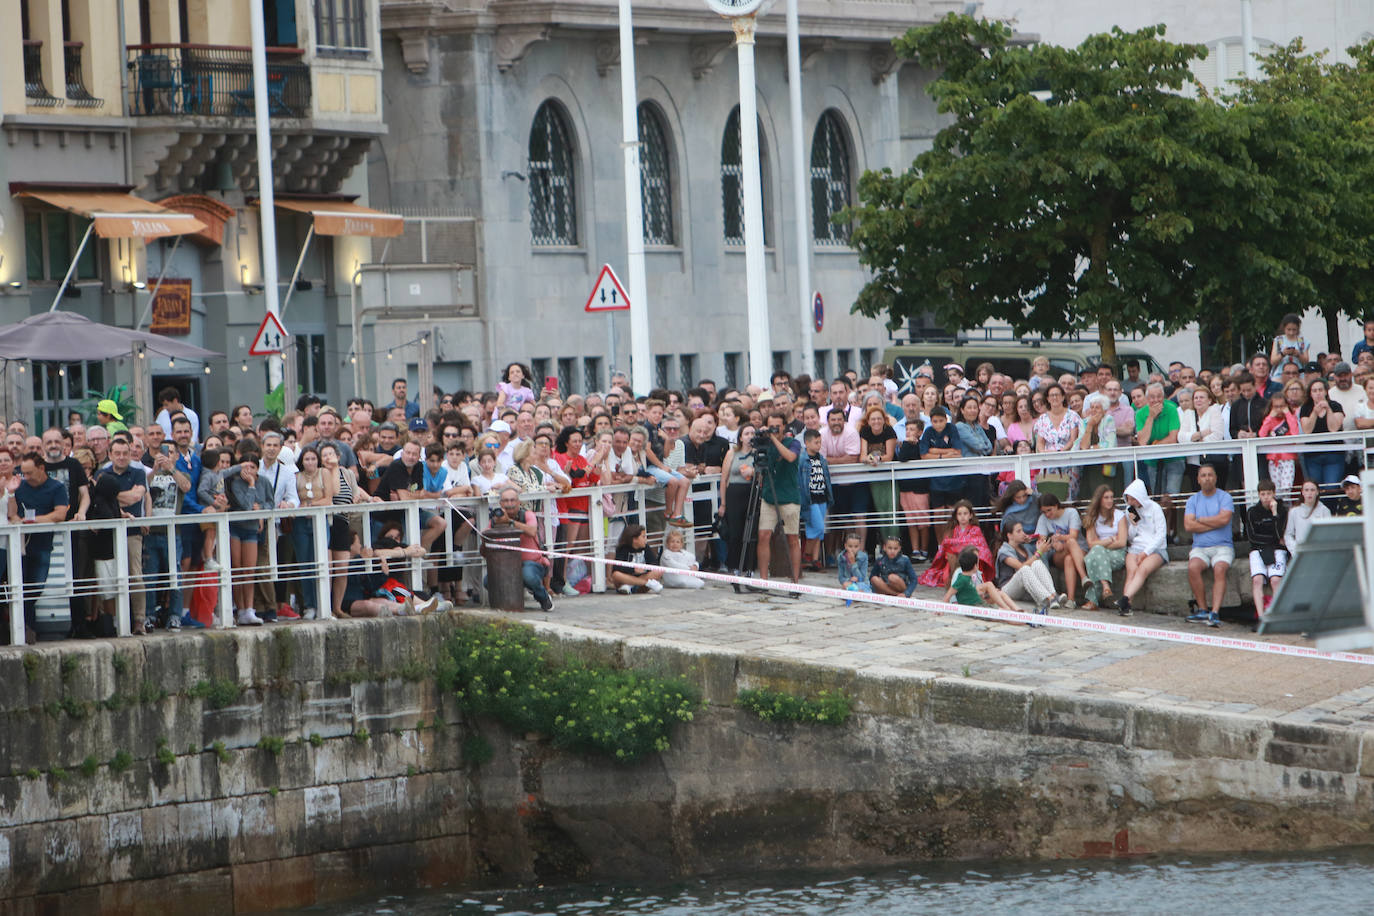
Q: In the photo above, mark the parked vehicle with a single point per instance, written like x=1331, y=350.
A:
x=1011, y=357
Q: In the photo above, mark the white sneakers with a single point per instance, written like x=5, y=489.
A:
x=247, y=618
x=625, y=589
x=211, y=564
x=654, y=585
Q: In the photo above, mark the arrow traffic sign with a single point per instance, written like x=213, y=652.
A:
x=608, y=295
x=271, y=337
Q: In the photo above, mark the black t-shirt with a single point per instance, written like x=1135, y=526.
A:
x=398, y=477
x=71, y=475
x=710, y=453
x=874, y=442
x=1322, y=424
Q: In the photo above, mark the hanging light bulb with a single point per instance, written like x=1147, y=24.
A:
x=352, y=359
x=140, y=354
x=61, y=372
x=171, y=362
x=207, y=369
x=21, y=367
x=388, y=354
x=245, y=365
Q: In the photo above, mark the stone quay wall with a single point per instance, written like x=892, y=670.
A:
x=252, y=770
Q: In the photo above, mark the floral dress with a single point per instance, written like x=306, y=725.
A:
x=1060, y=437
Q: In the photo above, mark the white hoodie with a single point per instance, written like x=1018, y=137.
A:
x=1150, y=534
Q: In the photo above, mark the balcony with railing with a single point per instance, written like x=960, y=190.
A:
x=77, y=93
x=214, y=80
x=35, y=90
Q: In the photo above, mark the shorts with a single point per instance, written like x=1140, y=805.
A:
x=790, y=513
x=661, y=476
x=941, y=499
x=1213, y=555
x=1274, y=571
x=245, y=532
x=815, y=520
x=106, y=578
x=340, y=533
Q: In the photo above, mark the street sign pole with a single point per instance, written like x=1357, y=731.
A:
x=756, y=280
x=610, y=348
x=634, y=208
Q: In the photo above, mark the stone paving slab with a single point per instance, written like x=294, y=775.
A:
x=871, y=637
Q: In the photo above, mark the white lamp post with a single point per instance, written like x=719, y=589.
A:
x=741, y=14
x=641, y=374
x=266, y=210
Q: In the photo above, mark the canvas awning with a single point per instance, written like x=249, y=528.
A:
x=342, y=217
x=117, y=215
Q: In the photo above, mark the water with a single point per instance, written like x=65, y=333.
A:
x=1319, y=884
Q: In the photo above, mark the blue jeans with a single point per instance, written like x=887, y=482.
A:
x=303, y=539
x=533, y=574
x=1324, y=468
x=155, y=570
x=35, y=568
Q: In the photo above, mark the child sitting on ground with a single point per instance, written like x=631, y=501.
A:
x=893, y=573
x=676, y=555
x=966, y=587
x=631, y=551
x=852, y=566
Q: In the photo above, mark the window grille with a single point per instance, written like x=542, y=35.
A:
x=732, y=181
x=655, y=180
x=341, y=28
x=830, y=190
x=553, y=214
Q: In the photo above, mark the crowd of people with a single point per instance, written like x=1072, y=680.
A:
x=774, y=450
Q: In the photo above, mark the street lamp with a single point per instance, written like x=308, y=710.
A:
x=741, y=14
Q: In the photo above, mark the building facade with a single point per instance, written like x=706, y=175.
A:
x=509, y=114
x=154, y=99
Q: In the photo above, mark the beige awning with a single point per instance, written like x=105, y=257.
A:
x=341, y=217
x=117, y=215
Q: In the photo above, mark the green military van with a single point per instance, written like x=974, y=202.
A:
x=1011, y=357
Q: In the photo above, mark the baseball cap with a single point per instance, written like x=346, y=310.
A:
x=1342, y=368
x=1349, y=479
x=109, y=407
x=417, y=425
x=765, y=396
x=500, y=426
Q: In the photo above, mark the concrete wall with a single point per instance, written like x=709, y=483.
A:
x=927, y=768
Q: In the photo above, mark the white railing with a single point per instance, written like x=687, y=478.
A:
x=65, y=583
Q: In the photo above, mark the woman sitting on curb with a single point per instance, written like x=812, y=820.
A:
x=631, y=551
x=1148, y=549
x=1108, y=533
x=1021, y=569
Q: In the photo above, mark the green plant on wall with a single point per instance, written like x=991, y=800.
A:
x=826, y=708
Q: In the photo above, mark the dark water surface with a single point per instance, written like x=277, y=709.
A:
x=1309, y=884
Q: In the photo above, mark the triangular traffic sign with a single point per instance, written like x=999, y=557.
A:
x=608, y=295
x=271, y=337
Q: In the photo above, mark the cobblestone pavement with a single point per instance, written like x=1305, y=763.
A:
x=874, y=636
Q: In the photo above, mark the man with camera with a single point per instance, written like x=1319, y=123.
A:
x=534, y=566
x=780, y=491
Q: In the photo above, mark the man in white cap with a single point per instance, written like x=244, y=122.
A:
x=1352, y=503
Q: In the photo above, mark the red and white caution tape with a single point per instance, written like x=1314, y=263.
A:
x=987, y=612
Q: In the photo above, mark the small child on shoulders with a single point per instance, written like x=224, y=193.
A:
x=967, y=587
x=676, y=556
x=893, y=573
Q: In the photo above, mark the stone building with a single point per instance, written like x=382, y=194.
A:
x=108, y=100
x=509, y=115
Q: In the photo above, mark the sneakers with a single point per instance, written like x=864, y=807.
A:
x=680, y=521
x=428, y=607
x=654, y=585
x=1042, y=609
x=286, y=612
x=569, y=591
x=1060, y=600
x=1195, y=613
x=145, y=626
x=310, y=613
x=247, y=618
x=1123, y=606
x=173, y=623
x=1213, y=620
x=187, y=621
x=919, y=556
x=211, y=564
x=546, y=603
x=624, y=589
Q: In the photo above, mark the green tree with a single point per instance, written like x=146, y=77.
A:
x=1068, y=191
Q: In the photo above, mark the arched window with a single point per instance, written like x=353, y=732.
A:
x=830, y=189
x=553, y=197
x=732, y=180
x=655, y=177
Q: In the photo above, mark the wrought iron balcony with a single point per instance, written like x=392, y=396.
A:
x=191, y=79
x=35, y=90
x=77, y=93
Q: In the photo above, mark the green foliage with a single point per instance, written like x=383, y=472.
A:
x=90, y=766
x=774, y=706
x=316, y=740
x=121, y=761
x=76, y=709
x=414, y=670
x=128, y=407
x=272, y=745
x=221, y=751
x=505, y=673
x=69, y=666
x=31, y=662
x=120, y=662
x=362, y=736
x=59, y=774
x=33, y=773
x=218, y=693
x=410, y=770
x=274, y=402
x=149, y=692
x=273, y=791
x=1080, y=187
x=966, y=671
x=165, y=755
x=113, y=703
x=285, y=645
x=477, y=750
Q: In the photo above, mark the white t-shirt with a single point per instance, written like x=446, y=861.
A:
x=1356, y=408
x=457, y=477
x=485, y=486
x=1105, y=531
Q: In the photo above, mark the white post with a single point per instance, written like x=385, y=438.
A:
x=1367, y=486
x=760, y=350
x=266, y=207
x=1247, y=38
x=641, y=370
x=799, y=188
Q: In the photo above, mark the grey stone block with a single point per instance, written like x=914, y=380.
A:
x=976, y=705
x=1313, y=746
x=1192, y=735
x=1080, y=718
